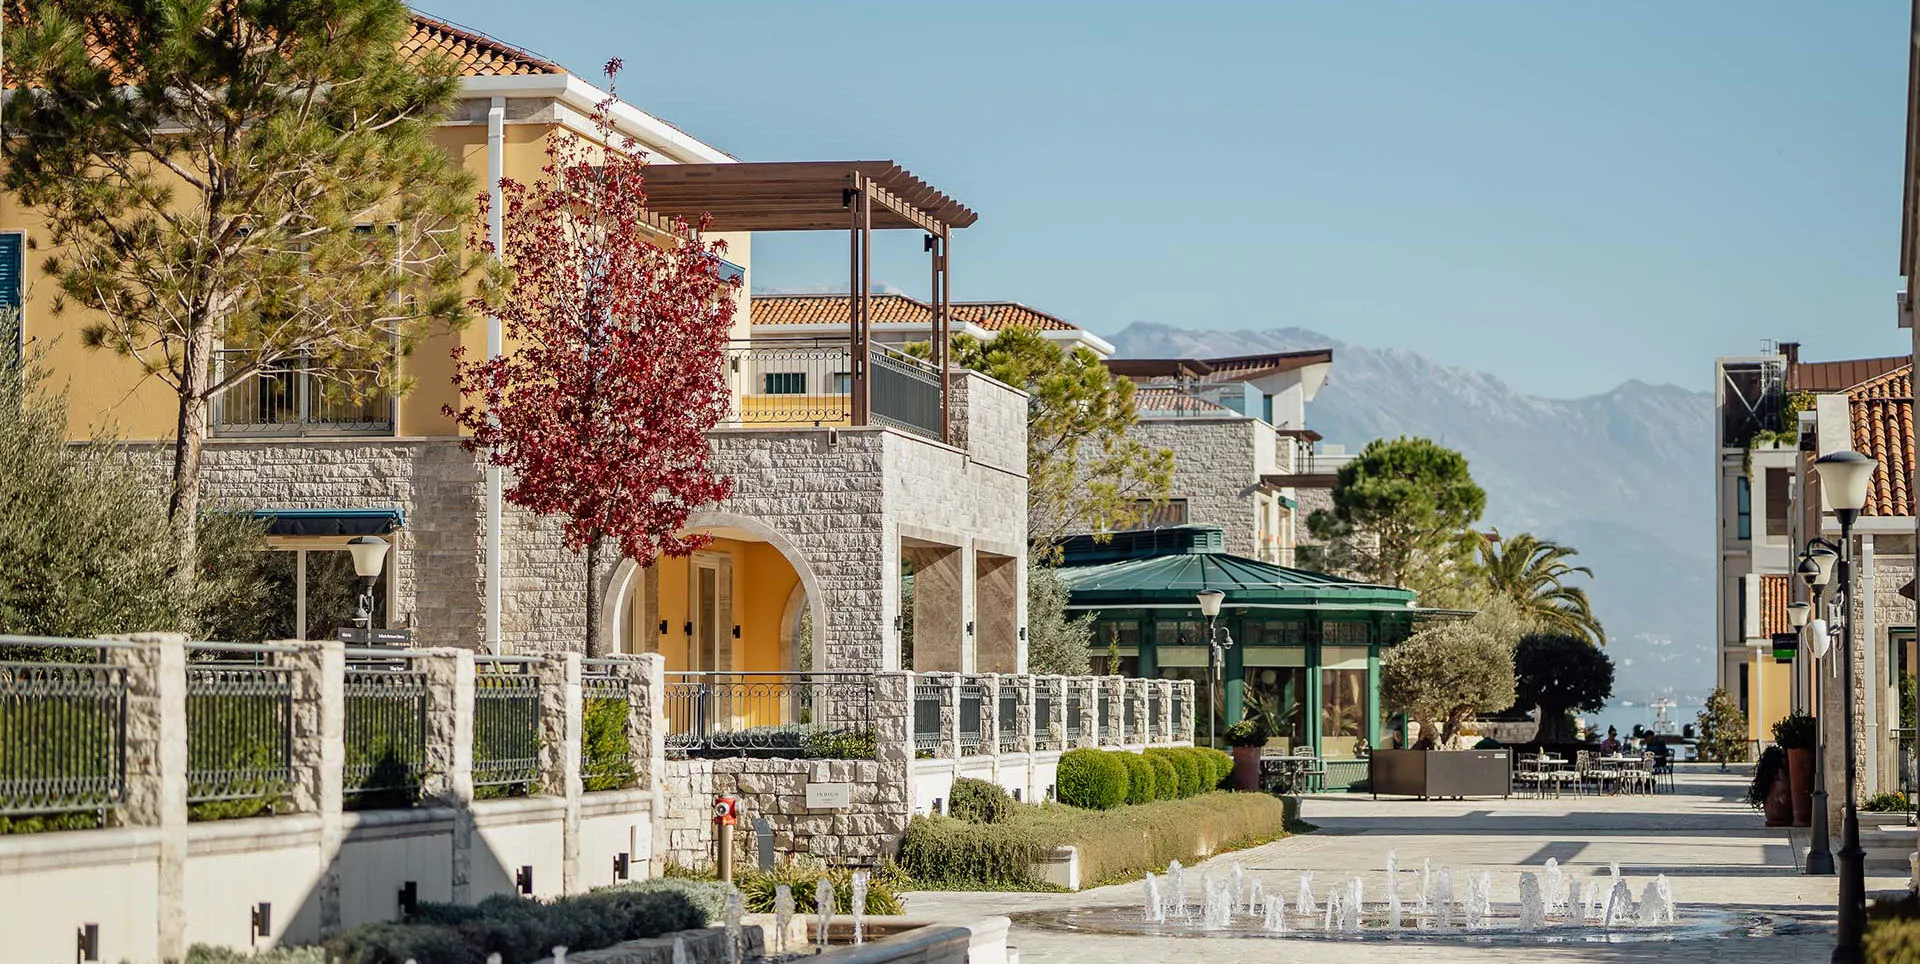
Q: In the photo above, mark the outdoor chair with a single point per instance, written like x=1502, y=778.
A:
x=1312, y=773
x=1663, y=767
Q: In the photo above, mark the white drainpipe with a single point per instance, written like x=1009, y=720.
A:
x=496, y=233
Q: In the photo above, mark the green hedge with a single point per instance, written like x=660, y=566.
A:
x=1143, y=785
x=1186, y=766
x=803, y=876
x=1166, y=779
x=1091, y=779
x=1113, y=845
x=1222, y=763
x=977, y=801
x=524, y=931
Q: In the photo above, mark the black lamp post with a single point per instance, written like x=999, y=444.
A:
x=1816, y=569
x=1844, y=477
x=1210, y=600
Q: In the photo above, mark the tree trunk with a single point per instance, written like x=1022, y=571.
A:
x=593, y=609
x=190, y=435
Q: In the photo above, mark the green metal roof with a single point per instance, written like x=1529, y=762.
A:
x=1168, y=565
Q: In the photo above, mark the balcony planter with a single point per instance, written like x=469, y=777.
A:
x=1439, y=774
x=1247, y=738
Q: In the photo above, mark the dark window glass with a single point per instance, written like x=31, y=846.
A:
x=785, y=383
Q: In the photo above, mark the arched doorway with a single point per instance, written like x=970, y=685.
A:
x=735, y=606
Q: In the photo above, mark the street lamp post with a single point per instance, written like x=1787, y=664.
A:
x=1844, y=477
x=1816, y=569
x=369, y=555
x=1210, y=600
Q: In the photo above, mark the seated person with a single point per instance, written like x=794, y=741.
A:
x=1612, y=743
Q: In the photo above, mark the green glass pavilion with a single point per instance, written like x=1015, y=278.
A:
x=1306, y=645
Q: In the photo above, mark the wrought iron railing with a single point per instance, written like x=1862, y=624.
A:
x=926, y=716
x=386, y=730
x=1006, y=718
x=63, y=735
x=293, y=396
x=506, y=725
x=1103, y=713
x=1907, y=763
x=239, y=726
x=971, y=696
x=1153, y=713
x=1130, y=715
x=905, y=392
x=791, y=382
x=796, y=714
x=606, y=754
x=1076, y=709
x=1046, y=693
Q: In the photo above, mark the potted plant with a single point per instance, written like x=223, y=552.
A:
x=1794, y=733
x=1247, y=737
x=1769, y=792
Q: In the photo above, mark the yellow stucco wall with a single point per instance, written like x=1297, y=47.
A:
x=107, y=391
x=1769, y=697
x=763, y=582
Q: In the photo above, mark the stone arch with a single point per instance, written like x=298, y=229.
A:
x=627, y=578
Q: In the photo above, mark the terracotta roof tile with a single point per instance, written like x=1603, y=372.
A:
x=472, y=54
x=1882, y=412
x=832, y=309
x=1838, y=376
x=1775, y=590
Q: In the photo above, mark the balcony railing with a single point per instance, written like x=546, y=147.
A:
x=776, y=714
x=813, y=382
x=293, y=397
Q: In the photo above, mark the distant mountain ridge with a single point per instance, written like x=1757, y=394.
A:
x=1622, y=476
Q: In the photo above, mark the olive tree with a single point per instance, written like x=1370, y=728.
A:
x=1561, y=673
x=1443, y=675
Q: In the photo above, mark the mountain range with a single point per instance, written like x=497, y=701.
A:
x=1623, y=476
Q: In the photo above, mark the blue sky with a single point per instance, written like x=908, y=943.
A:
x=1565, y=194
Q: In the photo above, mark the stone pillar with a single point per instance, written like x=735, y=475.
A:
x=448, y=780
x=989, y=713
x=1052, y=730
x=1163, y=732
x=1183, y=711
x=645, y=674
x=319, y=756
x=1136, y=690
x=156, y=760
x=949, y=686
x=562, y=726
x=1023, y=707
x=893, y=748
x=1089, y=689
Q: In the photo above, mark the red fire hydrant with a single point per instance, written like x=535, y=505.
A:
x=726, y=813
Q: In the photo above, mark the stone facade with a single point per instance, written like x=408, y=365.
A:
x=776, y=790
x=1216, y=469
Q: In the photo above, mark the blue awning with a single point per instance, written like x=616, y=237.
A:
x=331, y=522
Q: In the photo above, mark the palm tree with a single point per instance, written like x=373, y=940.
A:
x=1533, y=573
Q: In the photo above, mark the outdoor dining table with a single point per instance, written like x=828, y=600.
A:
x=1291, y=765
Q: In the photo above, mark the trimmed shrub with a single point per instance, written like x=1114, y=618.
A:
x=803, y=876
x=943, y=852
x=209, y=954
x=1186, y=766
x=1143, y=784
x=1166, y=779
x=1893, y=801
x=1114, y=845
x=851, y=744
x=1222, y=763
x=1091, y=779
x=977, y=801
x=523, y=931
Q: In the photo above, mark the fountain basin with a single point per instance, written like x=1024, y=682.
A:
x=1501, y=927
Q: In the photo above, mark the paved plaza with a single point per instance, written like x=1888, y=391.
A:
x=1702, y=836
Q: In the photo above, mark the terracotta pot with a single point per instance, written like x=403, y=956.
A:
x=1800, y=780
x=1779, y=803
x=1246, y=768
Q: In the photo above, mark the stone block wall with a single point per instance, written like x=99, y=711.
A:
x=776, y=790
x=1215, y=469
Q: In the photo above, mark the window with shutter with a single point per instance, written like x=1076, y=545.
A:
x=1777, y=505
x=11, y=253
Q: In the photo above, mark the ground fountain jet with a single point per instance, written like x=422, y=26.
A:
x=1443, y=900
x=1550, y=884
x=823, y=911
x=1356, y=902
x=1303, y=902
x=735, y=909
x=1533, y=908
x=1619, y=905
x=1573, y=910
x=782, y=916
x=1424, y=899
x=1590, y=899
x=1155, y=907
x=1237, y=880
x=1176, y=892
x=1217, y=913
x=1253, y=897
x=859, y=907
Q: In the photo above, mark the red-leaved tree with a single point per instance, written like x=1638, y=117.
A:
x=615, y=330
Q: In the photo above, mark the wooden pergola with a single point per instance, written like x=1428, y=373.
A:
x=860, y=196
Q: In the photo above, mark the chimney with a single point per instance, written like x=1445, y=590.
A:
x=1791, y=349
